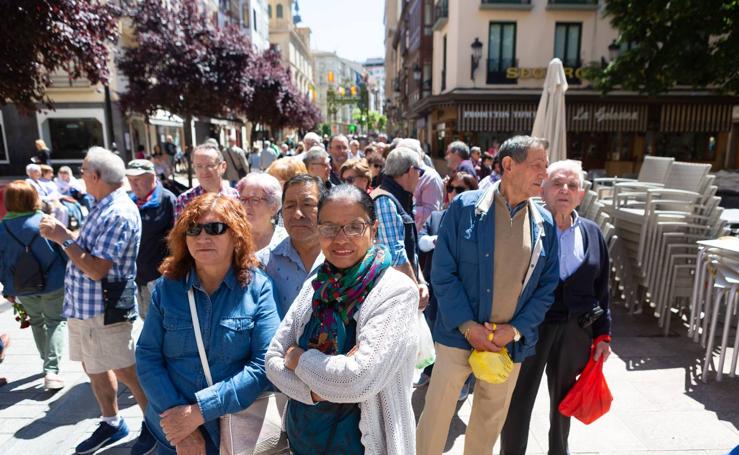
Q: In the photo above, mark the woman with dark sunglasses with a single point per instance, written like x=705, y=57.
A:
x=212, y=265
x=344, y=353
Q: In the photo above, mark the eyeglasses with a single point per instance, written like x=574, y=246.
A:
x=214, y=228
x=456, y=189
x=323, y=165
x=208, y=167
x=253, y=200
x=378, y=166
x=420, y=170
x=353, y=229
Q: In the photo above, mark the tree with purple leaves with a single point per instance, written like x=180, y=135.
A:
x=182, y=63
x=41, y=37
x=276, y=102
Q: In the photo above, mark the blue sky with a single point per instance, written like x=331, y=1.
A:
x=352, y=28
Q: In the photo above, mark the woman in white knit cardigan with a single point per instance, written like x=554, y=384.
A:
x=345, y=352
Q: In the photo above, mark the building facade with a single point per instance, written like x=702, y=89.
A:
x=338, y=86
x=293, y=41
x=411, y=48
x=489, y=60
x=375, y=69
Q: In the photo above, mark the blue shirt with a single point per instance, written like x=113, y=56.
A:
x=283, y=264
x=391, y=231
x=237, y=324
x=571, y=248
x=112, y=231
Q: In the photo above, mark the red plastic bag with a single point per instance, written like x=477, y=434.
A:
x=590, y=397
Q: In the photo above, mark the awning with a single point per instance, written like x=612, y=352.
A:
x=496, y=117
x=581, y=117
x=164, y=118
x=690, y=118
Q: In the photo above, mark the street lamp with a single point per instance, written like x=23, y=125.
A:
x=417, y=72
x=613, y=50
x=476, y=55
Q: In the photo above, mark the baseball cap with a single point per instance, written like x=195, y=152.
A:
x=139, y=167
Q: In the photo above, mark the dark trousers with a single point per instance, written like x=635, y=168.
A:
x=563, y=350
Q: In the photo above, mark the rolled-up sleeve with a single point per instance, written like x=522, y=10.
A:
x=391, y=231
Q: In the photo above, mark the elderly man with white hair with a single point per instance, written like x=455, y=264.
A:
x=100, y=295
x=429, y=194
x=580, y=316
x=394, y=207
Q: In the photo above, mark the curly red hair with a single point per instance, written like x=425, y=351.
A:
x=179, y=262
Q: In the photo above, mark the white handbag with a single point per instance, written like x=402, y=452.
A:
x=257, y=429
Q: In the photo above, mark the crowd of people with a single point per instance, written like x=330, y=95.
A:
x=303, y=273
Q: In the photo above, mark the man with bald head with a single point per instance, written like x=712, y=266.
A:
x=338, y=148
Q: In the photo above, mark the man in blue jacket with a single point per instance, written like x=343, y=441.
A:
x=495, y=269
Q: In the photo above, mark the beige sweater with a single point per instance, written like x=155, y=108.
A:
x=379, y=376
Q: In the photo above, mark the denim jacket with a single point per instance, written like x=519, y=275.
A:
x=237, y=324
x=462, y=272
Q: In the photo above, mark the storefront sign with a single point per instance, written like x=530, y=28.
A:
x=519, y=117
x=497, y=117
x=541, y=73
x=606, y=117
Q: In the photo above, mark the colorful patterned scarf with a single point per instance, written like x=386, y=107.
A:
x=340, y=293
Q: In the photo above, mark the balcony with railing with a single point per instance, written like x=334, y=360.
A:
x=573, y=4
x=441, y=14
x=505, y=4
x=498, y=69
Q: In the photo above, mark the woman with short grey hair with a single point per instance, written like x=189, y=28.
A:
x=261, y=196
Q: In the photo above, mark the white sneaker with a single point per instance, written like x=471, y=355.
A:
x=53, y=381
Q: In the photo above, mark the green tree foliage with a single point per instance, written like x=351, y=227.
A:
x=666, y=43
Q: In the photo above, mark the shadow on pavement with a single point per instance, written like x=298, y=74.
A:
x=640, y=343
x=77, y=404
x=456, y=428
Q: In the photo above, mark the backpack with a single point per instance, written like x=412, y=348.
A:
x=29, y=277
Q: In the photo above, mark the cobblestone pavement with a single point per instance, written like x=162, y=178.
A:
x=660, y=405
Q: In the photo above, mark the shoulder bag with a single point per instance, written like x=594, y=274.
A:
x=255, y=430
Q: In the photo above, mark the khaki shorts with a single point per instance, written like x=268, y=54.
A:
x=101, y=347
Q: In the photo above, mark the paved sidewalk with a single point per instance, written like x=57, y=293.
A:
x=660, y=406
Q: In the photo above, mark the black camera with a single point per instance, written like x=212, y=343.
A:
x=589, y=318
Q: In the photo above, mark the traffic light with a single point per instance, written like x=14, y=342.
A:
x=352, y=128
x=354, y=90
x=331, y=76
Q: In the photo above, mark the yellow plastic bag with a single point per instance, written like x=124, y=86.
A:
x=492, y=367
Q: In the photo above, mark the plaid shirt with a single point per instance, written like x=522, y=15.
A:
x=391, y=231
x=187, y=197
x=112, y=231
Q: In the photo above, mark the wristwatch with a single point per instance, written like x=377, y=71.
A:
x=67, y=243
x=516, y=334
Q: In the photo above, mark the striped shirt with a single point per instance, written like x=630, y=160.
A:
x=112, y=231
x=188, y=196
